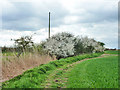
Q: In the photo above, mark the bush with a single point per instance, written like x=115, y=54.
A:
x=61, y=45
x=64, y=45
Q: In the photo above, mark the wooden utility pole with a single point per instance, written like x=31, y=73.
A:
x=49, y=25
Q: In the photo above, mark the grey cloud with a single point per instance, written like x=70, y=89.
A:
x=26, y=17
x=99, y=16
x=21, y=11
x=96, y=12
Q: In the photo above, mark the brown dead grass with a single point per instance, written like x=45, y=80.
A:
x=14, y=66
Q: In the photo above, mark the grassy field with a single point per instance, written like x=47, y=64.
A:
x=92, y=73
x=95, y=73
x=111, y=52
x=71, y=73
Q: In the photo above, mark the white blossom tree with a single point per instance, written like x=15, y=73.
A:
x=65, y=45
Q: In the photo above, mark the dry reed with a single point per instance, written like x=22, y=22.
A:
x=13, y=66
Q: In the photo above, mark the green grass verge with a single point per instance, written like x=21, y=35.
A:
x=95, y=73
x=9, y=53
x=111, y=52
x=33, y=78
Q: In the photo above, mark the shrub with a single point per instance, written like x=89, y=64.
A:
x=64, y=45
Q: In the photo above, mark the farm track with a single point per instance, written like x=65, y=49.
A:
x=56, y=79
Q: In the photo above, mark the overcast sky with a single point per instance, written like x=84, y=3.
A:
x=96, y=19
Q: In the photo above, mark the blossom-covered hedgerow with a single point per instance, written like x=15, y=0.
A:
x=65, y=45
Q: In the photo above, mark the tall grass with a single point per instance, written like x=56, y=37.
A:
x=13, y=65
